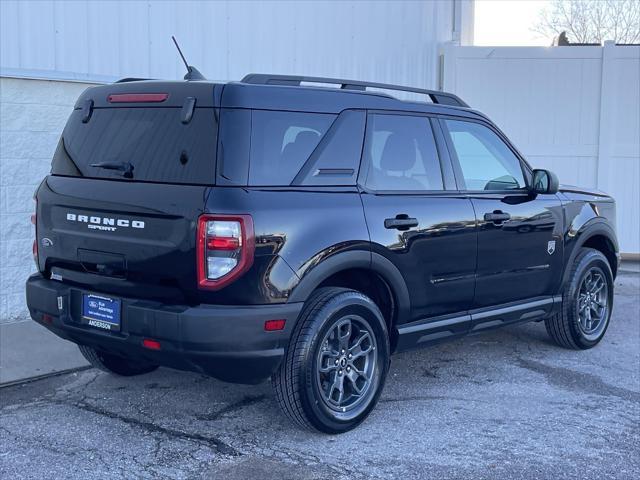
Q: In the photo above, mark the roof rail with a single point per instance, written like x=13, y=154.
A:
x=435, y=96
x=131, y=79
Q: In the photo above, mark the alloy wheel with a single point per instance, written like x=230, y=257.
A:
x=346, y=364
x=592, y=303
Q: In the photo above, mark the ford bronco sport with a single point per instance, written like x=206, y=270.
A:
x=273, y=228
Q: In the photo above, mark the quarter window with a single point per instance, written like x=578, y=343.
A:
x=281, y=142
x=486, y=162
x=402, y=154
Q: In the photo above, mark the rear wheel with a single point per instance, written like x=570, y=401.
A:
x=111, y=363
x=586, y=303
x=336, y=364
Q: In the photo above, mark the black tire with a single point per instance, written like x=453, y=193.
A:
x=111, y=363
x=567, y=328
x=332, y=318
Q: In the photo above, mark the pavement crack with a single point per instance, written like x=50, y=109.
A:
x=426, y=398
x=24, y=439
x=244, y=402
x=217, y=444
x=431, y=373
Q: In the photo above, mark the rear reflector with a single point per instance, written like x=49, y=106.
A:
x=274, y=325
x=151, y=344
x=137, y=97
x=34, y=221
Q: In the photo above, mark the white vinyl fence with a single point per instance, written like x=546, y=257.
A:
x=572, y=110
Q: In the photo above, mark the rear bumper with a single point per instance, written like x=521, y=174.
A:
x=226, y=342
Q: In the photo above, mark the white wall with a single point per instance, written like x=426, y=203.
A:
x=32, y=115
x=98, y=40
x=573, y=110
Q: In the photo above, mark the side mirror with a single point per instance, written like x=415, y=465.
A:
x=544, y=182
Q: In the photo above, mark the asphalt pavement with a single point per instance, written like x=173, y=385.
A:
x=508, y=404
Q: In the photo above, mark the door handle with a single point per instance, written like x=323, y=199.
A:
x=497, y=216
x=401, y=222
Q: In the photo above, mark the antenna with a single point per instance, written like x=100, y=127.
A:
x=192, y=72
x=180, y=51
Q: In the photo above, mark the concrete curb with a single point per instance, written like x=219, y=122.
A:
x=42, y=377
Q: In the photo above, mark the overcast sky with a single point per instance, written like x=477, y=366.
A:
x=508, y=22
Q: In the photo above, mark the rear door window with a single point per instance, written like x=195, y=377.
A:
x=401, y=154
x=154, y=140
x=281, y=143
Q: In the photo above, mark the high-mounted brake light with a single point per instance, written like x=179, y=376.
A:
x=137, y=97
x=226, y=245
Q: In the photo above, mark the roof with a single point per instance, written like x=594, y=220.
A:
x=323, y=100
x=283, y=95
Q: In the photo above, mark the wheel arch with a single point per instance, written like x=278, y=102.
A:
x=597, y=235
x=339, y=269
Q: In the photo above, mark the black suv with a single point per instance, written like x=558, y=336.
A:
x=272, y=228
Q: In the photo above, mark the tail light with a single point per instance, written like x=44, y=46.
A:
x=226, y=245
x=34, y=221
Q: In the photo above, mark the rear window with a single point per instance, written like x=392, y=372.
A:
x=281, y=142
x=153, y=140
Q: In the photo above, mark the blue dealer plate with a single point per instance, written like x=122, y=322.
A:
x=101, y=312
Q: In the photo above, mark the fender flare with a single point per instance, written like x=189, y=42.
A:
x=590, y=229
x=360, y=259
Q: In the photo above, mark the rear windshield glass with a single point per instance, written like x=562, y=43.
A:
x=281, y=143
x=153, y=141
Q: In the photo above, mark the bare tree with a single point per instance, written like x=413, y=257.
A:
x=592, y=21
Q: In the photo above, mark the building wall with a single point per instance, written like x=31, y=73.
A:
x=32, y=115
x=98, y=41
x=104, y=40
x=572, y=110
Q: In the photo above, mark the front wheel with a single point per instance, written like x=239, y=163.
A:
x=586, y=303
x=336, y=364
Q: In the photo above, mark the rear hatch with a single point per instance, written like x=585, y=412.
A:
x=129, y=178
